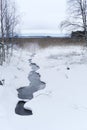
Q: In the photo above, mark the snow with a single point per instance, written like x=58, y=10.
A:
x=62, y=105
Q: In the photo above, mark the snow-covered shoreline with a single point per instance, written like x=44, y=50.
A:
x=61, y=105
x=15, y=74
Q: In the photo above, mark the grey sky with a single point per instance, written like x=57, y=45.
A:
x=41, y=14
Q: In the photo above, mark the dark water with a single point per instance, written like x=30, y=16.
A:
x=20, y=109
x=34, y=66
x=35, y=85
x=27, y=92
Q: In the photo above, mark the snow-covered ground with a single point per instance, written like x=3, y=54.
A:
x=62, y=105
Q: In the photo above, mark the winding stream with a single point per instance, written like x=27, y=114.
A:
x=27, y=92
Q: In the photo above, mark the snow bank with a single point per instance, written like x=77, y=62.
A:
x=15, y=74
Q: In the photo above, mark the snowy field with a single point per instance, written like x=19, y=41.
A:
x=62, y=105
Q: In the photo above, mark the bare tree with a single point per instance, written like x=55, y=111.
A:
x=8, y=23
x=77, y=16
x=11, y=20
x=2, y=12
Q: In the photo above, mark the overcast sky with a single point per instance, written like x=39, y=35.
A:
x=41, y=14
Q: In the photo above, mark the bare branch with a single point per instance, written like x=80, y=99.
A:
x=77, y=16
